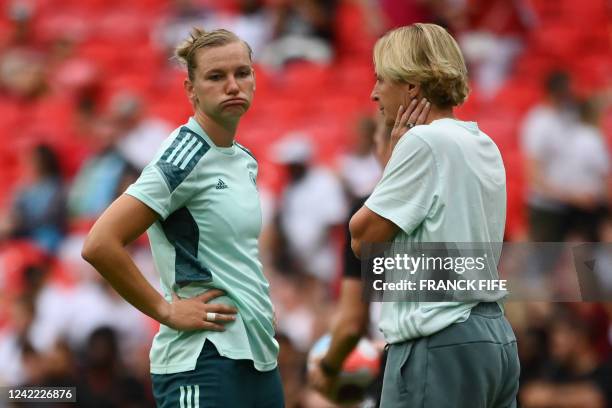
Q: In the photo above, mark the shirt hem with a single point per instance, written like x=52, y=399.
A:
x=420, y=334
x=233, y=354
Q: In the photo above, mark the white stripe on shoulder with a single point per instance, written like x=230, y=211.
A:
x=190, y=156
x=196, y=396
x=182, y=154
x=178, y=148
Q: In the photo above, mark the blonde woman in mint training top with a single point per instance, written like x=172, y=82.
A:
x=199, y=204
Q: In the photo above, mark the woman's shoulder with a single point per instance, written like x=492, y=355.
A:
x=246, y=151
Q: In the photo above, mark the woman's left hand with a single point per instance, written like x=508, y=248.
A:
x=407, y=118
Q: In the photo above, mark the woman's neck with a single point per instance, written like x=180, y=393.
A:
x=222, y=135
x=437, y=113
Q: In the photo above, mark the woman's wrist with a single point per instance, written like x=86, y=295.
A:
x=163, y=312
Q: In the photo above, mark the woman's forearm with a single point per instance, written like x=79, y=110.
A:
x=345, y=336
x=350, y=325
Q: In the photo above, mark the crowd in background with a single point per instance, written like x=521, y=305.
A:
x=88, y=91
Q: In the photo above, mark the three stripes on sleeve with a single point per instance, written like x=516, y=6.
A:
x=181, y=157
x=185, y=147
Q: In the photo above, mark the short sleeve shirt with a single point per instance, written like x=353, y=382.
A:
x=445, y=182
x=207, y=237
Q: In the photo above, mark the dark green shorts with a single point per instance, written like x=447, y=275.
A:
x=219, y=382
x=473, y=364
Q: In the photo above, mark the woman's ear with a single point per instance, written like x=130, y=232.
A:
x=414, y=91
x=188, y=85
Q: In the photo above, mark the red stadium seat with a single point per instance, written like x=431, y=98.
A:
x=517, y=95
x=592, y=72
x=352, y=36
x=303, y=79
x=502, y=127
x=556, y=40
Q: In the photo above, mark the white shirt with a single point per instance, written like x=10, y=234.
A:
x=12, y=371
x=310, y=207
x=360, y=173
x=140, y=144
x=586, y=169
x=572, y=156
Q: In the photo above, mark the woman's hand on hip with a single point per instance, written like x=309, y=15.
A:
x=197, y=314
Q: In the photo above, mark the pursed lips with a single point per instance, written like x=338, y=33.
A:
x=234, y=101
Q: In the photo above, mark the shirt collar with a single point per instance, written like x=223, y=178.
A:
x=193, y=124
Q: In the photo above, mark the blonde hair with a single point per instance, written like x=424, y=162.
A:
x=199, y=38
x=425, y=54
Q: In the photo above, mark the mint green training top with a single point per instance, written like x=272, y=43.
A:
x=207, y=237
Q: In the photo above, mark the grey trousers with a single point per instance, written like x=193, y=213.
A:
x=473, y=364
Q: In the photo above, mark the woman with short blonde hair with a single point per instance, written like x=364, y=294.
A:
x=425, y=54
x=444, y=182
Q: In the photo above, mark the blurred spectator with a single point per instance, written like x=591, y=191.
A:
x=559, y=156
x=139, y=136
x=104, y=381
x=77, y=77
x=177, y=22
x=95, y=304
x=590, y=175
x=302, y=30
x=530, y=322
x=252, y=22
x=359, y=169
x=39, y=210
x=50, y=298
x=492, y=36
x=603, y=261
x=22, y=75
x=56, y=368
x=291, y=363
x=34, y=366
x=103, y=176
x=294, y=313
x=61, y=366
x=312, y=205
x=575, y=376
x=20, y=13
x=14, y=339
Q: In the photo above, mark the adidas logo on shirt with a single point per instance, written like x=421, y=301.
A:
x=221, y=185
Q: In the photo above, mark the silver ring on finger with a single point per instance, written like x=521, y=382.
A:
x=410, y=125
x=211, y=316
